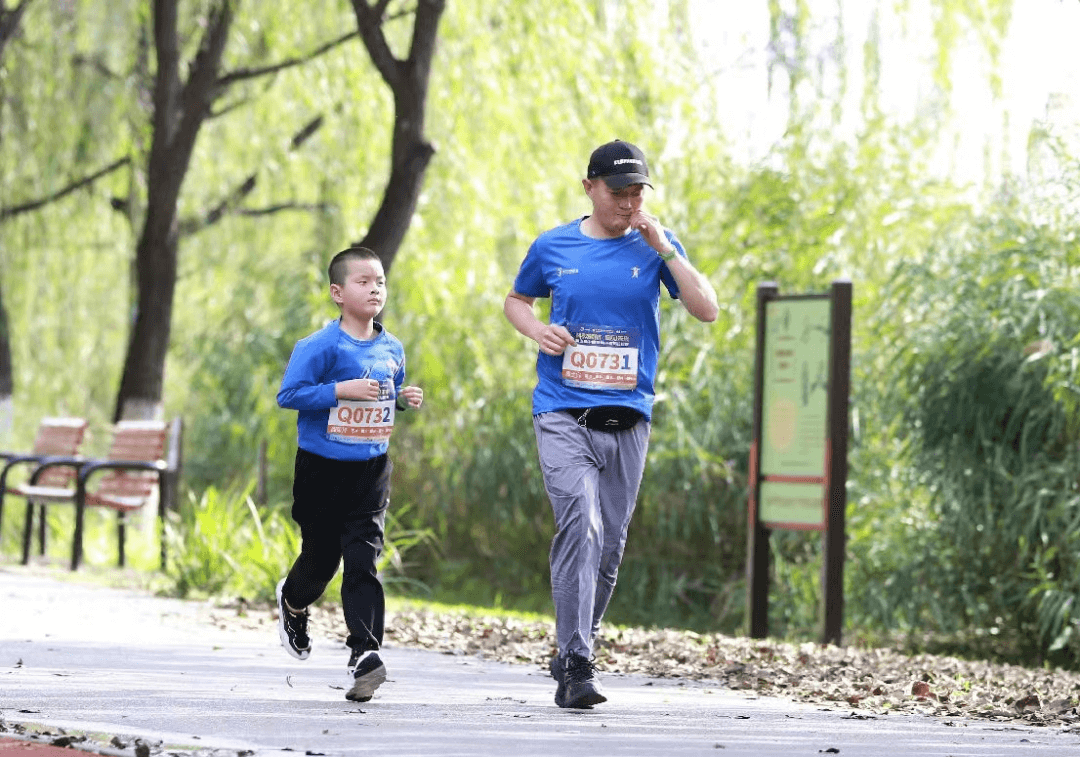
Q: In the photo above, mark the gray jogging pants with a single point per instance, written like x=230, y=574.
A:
x=592, y=480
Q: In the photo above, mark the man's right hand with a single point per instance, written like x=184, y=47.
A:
x=555, y=339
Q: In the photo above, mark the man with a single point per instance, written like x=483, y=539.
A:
x=592, y=405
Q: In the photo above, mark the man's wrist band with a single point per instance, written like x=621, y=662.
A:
x=666, y=256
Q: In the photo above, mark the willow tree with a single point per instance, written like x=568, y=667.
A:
x=181, y=107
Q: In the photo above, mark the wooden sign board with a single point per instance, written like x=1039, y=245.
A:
x=798, y=457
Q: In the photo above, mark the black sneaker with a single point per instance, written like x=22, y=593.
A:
x=558, y=673
x=292, y=628
x=366, y=673
x=582, y=688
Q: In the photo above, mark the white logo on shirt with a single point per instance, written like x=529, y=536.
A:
x=634, y=272
x=560, y=272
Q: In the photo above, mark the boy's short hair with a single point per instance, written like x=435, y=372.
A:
x=339, y=264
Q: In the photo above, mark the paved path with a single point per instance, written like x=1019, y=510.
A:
x=102, y=661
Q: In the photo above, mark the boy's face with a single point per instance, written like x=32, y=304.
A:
x=363, y=294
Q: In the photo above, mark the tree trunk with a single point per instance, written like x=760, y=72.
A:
x=179, y=112
x=144, y=367
x=7, y=382
x=9, y=22
x=410, y=153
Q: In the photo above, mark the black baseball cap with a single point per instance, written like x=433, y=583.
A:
x=619, y=164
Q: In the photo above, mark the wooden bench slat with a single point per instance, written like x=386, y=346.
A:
x=41, y=493
x=59, y=436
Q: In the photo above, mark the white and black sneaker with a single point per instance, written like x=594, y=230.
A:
x=292, y=627
x=366, y=673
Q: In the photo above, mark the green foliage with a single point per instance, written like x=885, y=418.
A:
x=983, y=444
x=222, y=544
x=962, y=498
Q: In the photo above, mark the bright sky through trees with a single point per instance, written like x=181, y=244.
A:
x=1038, y=68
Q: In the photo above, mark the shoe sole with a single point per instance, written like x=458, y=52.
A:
x=584, y=701
x=300, y=654
x=364, y=687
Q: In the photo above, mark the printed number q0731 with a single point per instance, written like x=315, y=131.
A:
x=610, y=361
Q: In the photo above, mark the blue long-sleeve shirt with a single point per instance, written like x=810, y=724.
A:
x=321, y=360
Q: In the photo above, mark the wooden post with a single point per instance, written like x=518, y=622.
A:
x=757, y=547
x=832, y=574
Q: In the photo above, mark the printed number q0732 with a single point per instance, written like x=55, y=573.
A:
x=364, y=415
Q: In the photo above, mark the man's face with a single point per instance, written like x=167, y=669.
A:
x=612, y=208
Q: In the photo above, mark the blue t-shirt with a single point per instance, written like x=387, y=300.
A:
x=606, y=292
x=321, y=360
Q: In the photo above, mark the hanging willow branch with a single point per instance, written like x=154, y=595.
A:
x=27, y=207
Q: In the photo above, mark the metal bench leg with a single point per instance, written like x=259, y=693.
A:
x=42, y=524
x=80, y=513
x=28, y=533
x=121, y=518
x=161, y=533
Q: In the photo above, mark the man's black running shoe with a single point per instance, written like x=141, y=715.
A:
x=582, y=688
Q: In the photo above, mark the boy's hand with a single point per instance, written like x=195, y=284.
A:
x=413, y=394
x=357, y=389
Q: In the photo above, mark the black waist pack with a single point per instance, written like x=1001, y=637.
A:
x=606, y=417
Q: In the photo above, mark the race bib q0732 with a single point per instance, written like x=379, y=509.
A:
x=357, y=421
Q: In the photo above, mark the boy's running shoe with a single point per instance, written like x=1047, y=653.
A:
x=292, y=628
x=366, y=673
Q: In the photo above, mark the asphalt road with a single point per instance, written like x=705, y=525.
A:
x=87, y=659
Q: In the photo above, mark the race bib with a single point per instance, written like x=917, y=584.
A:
x=357, y=421
x=603, y=358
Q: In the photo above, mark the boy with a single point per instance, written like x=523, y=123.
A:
x=346, y=380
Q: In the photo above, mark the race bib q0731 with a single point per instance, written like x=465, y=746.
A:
x=603, y=358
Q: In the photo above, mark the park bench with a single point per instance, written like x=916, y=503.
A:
x=56, y=437
x=143, y=462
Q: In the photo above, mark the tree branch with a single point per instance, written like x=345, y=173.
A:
x=95, y=63
x=318, y=207
x=191, y=226
x=202, y=88
x=369, y=21
x=9, y=20
x=14, y=210
x=230, y=204
x=243, y=74
x=305, y=133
